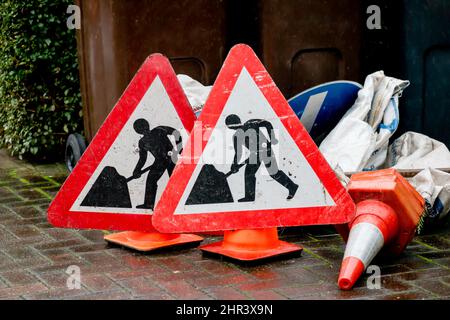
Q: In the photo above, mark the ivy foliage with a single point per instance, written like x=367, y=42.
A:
x=40, y=101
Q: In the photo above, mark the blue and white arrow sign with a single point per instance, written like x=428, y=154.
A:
x=320, y=108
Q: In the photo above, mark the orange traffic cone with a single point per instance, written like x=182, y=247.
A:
x=388, y=210
x=145, y=242
x=251, y=245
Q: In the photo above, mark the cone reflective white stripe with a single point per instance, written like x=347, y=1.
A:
x=365, y=241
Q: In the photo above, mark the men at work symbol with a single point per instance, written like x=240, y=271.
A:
x=110, y=190
x=212, y=187
x=156, y=142
x=250, y=135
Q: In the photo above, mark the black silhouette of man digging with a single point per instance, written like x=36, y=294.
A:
x=157, y=142
x=249, y=135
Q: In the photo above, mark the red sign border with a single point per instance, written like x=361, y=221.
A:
x=164, y=218
x=59, y=213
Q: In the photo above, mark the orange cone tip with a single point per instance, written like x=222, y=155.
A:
x=351, y=269
x=145, y=242
x=251, y=245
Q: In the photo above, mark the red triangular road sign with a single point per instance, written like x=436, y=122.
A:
x=104, y=191
x=206, y=194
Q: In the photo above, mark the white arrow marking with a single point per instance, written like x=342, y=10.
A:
x=312, y=110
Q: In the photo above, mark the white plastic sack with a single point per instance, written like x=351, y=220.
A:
x=434, y=186
x=417, y=151
x=360, y=140
x=196, y=93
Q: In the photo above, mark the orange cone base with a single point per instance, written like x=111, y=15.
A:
x=145, y=242
x=251, y=245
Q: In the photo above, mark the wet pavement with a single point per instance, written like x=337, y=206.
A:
x=34, y=258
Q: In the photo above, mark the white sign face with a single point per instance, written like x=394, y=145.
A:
x=148, y=139
x=274, y=184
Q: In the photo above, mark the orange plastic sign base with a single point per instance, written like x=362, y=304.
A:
x=145, y=242
x=251, y=245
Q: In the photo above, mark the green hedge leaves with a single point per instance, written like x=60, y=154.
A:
x=40, y=100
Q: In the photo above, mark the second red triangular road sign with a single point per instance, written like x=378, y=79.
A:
x=249, y=162
x=122, y=173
